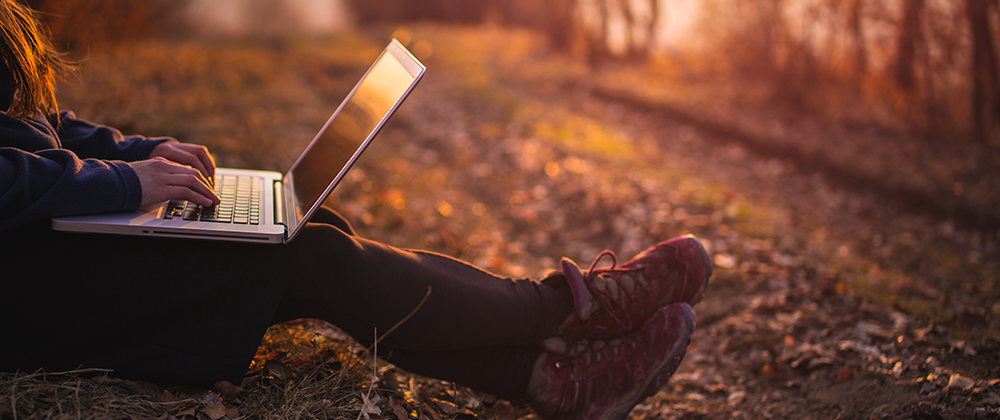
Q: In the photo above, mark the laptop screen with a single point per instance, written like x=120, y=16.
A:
x=349, y=130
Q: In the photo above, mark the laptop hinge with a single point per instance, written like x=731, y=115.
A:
x=279, y=203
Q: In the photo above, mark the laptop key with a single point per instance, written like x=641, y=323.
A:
x=240, y=203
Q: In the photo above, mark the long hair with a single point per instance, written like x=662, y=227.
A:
x=31, y=62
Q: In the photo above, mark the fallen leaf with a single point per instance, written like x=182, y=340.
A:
x=215, y=411
x=188, y=412
x=212, y=398
x=820, y=361
x=960, y=382
x=400, y=412
x=370, y=406
x=280, y=372
x=169, y=397
x=767, y=370
x=845, y=373
x=428, y=413
x=227, y=389
x=724, y=260
x=736, y=397
x=446, y=406
x=991, y=399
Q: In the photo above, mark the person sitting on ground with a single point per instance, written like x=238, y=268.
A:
x=577, y=345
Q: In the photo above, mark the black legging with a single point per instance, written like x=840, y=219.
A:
x=475, y=328
x=188, y=311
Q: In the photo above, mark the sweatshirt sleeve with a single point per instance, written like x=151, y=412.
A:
x=55, y=182
x=89, y=140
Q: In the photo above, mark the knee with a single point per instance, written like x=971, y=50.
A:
x=323, y=239
x=325, y=215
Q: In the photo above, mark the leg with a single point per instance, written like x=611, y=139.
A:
x=475, y=328
x=503, y=371
x=361, y=285
x=156, y=309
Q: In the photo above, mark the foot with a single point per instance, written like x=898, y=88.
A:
x=604, y=380
x=612, y=301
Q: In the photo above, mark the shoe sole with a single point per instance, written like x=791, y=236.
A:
x=663, y=371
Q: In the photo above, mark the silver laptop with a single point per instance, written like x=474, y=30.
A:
x=265, y=206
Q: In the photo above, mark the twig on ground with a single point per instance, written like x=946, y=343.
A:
x=405, y=318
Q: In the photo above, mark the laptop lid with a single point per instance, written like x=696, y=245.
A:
x=347, y=133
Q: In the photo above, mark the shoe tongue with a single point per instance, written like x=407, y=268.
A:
x=571, y=270
x=582, y=299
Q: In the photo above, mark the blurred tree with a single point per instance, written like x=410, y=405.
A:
x=635, y=29
x=906, y=46
x=985, y=75
x=653, y=26
x=462, y=11
x=554, y=18
x=596, y=36
x=858, y=38
x=81, y=23
x=640, y=21
x=561, y=24
x=562, y=21
x=629, y=18
x=268, y=18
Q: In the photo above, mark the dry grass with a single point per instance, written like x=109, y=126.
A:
x=303, y=370
x=73, y=395
x=300, y=377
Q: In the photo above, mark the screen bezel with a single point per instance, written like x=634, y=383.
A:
x=415, y=69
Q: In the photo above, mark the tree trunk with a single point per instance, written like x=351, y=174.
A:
x=629, y=16
x=597, y=51
x=773, y=35
x=985, y=78
x=860, y=55
x=653, y=26
x=560, y=24
x=906, y=51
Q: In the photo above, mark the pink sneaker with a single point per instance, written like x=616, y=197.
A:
x=605, y=380
x=612, y=301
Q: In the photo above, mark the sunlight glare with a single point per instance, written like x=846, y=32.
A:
x=552, y=169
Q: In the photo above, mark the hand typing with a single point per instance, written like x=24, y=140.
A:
x=193, y=155
x=177, y=171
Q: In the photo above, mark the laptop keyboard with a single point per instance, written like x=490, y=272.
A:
x=240, y=203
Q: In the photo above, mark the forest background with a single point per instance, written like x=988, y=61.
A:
x=839, y=158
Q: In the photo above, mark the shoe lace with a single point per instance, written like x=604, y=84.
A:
x=616, y=309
